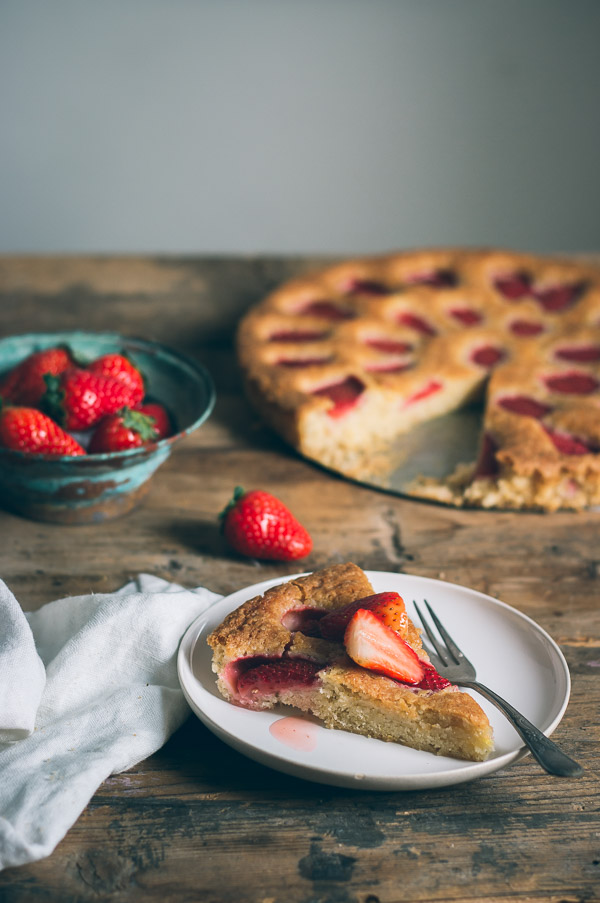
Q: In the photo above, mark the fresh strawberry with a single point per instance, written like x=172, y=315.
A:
x=389, y=607
x=333, y=625
x=272, y=677
x=432, y=680
x=28, y=430
x=258, y=525
x=123, y=430
x=78, y=398
x=161, y=417
x=120, y=367
x=25, y=385
x=374, y=646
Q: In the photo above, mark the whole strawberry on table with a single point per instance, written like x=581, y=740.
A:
x=258, y=525
x=50, y=395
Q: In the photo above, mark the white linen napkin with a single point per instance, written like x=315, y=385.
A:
x=111, y=697
x=22, y=673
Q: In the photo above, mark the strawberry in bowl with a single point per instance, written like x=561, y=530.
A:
x=126, y=428
x=105, y=413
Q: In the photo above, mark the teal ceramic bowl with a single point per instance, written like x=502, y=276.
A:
x=93, y=488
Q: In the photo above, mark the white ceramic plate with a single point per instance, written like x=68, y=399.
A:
x=512, y=654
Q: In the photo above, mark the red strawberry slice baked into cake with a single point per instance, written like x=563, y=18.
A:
x=342, y=362
x=327, y=644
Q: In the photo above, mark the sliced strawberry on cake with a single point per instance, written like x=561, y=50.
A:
x=372, y=645
x=389, y=607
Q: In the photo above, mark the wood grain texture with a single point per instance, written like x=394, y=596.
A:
x=197, y=821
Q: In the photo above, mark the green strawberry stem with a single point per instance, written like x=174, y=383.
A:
x=52, y=401
x=140, y=423
x=238, y=493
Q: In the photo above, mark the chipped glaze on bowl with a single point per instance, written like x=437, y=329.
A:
x=93, y=488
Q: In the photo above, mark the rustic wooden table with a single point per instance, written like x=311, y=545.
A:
x=197, y=821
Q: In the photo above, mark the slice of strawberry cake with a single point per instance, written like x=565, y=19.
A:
x=327, y=644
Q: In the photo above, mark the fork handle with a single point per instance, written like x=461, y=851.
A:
x=547, y=753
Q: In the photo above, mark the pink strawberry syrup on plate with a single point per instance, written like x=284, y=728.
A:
x=296, y=733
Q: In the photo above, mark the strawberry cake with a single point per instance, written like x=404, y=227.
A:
x=342, y=362
x=327, y=644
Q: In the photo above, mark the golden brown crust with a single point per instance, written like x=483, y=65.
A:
x=255, y=627
x=347, y=696
x=448, y=327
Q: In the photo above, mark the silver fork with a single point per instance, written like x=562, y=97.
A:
x=452, y=664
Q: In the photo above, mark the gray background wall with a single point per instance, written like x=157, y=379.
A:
x=314, y=125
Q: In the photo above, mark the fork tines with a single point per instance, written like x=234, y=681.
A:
x=450, y=647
